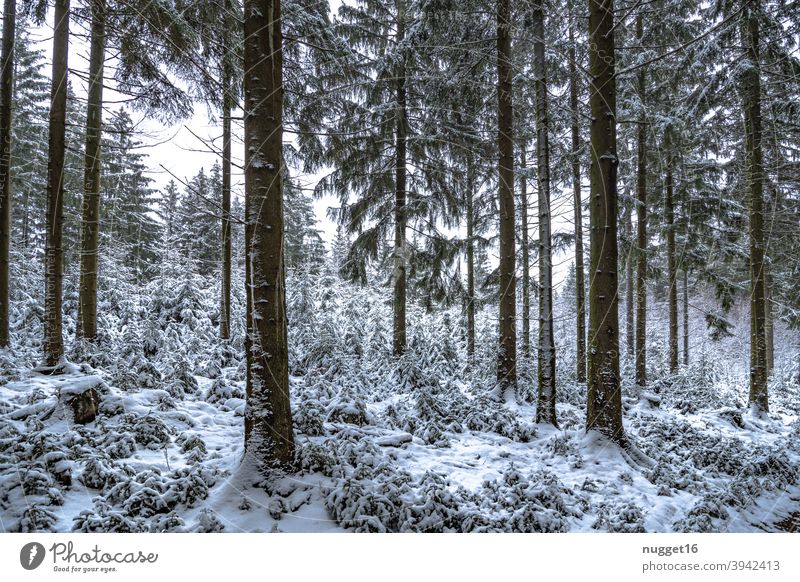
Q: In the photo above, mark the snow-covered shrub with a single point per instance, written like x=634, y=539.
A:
x=178, y=378
x=208, y=522
x=147, y=375
x=487, y=415
x=191, y=442
x=103, y=518
x=348, y=407
x=188, y=486
x=36, y=480
x=165, y=523
x=37, y=519
x=708, y=515
x=619, y=517
x=308, y=414
x=149, y=431
x=433, y=508
x=362, y=506
x=536, y=503
x=313, y=458
x=221, y=390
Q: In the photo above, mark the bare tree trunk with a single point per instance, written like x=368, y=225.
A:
x=507, y=349
x=90, y=232
x=627, y=225
x=54, y=253
x=470, y=260
x=685, y=318
x=546, y=403
x=400, y=217
x=604, y=401
x=580, y=281
x=268, y=436
x=769, y=324
x=751, y=89
x=672, y=273
x=526, y=275
x=227, y=105
x=641, y=226
x=6, y=92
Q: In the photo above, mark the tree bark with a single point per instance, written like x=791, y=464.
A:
x=546, y=403
x=627, y=225
x=641, y=225
x=470, y=260
x=526, y=276
x=672, y=273
x=268, y=437
x=90, y=231
x=604, y=401
x=580, y=281
x=751, y=89
x=769, y=323
x=400, y=217
x=54, y=254
x=6, y=92
x=227, y=105
x=685, y=318
x=507, y=348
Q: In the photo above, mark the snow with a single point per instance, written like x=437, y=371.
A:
x=415, y=444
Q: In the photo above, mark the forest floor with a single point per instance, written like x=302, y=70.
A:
x=447, y=459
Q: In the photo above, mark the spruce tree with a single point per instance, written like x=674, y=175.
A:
x=6, y=91
x=268, y=435
x=604, y=401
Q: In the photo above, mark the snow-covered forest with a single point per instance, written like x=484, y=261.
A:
x=557, y=289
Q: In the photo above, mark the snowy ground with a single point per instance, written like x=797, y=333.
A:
x=416, y=444
x=161, y=461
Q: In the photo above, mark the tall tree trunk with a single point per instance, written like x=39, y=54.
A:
x=546, y=403
x=90, y=231
x=268, y=418
x=751, y=90
x=507, y=348
x=526, y=275
x=227, y=105
x=604, y=401
x=769, y=323
x=627, y=225
x=580, y=281
x=641, y=224
x=400, y=216
x=685, y=318
x=6, y=92
x=470, y=259
x=54, y=253
x=672, y=272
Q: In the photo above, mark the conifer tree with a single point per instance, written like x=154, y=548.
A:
x=6, y=91
x=507, y=345
x=54, y=253
x=268, y=435
x=604, y=401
